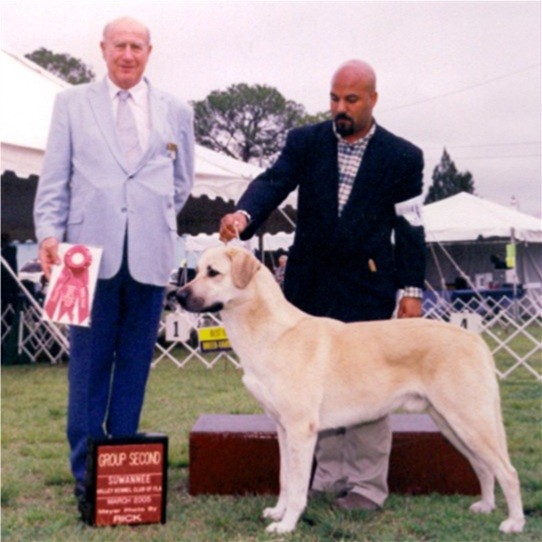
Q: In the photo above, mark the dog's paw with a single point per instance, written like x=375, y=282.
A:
x=279, y=527
x=274, y=513
x=482, y=507
x=511, y=525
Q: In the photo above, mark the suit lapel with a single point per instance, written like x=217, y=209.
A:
x=100, y=103
x=326, y=168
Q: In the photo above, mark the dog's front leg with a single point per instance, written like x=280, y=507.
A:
x=277, y=512
x=300, y=443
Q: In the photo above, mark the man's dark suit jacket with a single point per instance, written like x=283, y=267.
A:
x=345, y=267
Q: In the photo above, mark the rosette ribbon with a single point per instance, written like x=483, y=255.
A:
x=71, y=289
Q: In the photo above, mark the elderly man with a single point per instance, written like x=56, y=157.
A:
x=118, y=168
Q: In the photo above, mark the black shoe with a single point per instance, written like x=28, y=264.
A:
x=80, y=492
x=82, y=506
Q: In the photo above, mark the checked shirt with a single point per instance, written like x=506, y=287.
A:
x=350, y=157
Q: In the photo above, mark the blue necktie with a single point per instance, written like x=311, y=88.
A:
x=127, y=130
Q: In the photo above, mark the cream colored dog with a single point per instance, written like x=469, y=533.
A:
x=311, y=374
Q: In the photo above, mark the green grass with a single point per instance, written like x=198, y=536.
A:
x=37, y=501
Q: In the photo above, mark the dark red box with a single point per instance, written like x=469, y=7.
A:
x=127, y=480
x=422, y=461
x=238, y=454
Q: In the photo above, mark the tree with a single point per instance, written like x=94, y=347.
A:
x=447, y=181
x=246, y=122
x=314, y=119
x=62, y=65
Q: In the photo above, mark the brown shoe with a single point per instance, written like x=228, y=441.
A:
x=355, y=501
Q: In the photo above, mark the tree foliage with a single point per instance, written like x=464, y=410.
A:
x=317, y=117
x=246, y=122
x=447, y=181
x=62, y=65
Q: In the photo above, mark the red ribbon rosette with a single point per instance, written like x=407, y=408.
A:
x=71, y=289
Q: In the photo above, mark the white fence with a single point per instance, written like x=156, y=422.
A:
x=512, y=328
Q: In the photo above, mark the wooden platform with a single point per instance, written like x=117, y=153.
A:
x=238, y=454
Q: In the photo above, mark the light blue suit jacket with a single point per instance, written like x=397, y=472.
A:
x=87, y=194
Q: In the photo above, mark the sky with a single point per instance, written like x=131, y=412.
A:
x=464, y=76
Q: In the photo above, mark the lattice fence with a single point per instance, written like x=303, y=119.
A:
x=512, y=328
x=178, y=341
x=36, y=340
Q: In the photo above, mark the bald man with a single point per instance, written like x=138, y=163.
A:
x=119, y=166
x=359, y=245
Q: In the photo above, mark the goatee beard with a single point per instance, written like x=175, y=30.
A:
x=342, y=128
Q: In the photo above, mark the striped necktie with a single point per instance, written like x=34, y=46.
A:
x=127, y=130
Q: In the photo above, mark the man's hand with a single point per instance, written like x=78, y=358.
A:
x=410, y=307
x=232, y=225
x=48, y=255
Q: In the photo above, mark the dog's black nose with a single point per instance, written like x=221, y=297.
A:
x=182, y=297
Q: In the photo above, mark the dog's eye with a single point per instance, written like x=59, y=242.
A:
x=212, y=272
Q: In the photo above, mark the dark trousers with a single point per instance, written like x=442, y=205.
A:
x=109, y=363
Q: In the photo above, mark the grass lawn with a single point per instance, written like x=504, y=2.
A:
x=38, y=505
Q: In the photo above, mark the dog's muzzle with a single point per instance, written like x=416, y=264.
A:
x=192, y=303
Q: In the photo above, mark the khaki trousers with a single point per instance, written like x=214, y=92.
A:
x=355, y=459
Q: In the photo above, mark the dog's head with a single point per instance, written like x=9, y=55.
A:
x=223, y=275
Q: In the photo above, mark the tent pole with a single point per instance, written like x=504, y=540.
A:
x=261, y=247
x=475, y=290
x=290, y=221
x=515, y=281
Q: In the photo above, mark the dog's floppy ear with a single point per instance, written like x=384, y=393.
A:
x=244, y=265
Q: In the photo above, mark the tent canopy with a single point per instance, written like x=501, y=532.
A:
x=466, y=234
x=464, y=217
x=27, y=95
x=27, y=99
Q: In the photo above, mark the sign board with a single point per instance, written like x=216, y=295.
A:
x=177, y=328
x=213, y=339
x=511, y=256
x=467, y=320
x=127, y=482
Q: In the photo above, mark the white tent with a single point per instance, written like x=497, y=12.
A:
x=26, y=100
x=465, y=232
x=277, y=241
x=270, y=242
x=26, y=103
x=27, y=95
x=464, y=217
x=198, y=243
